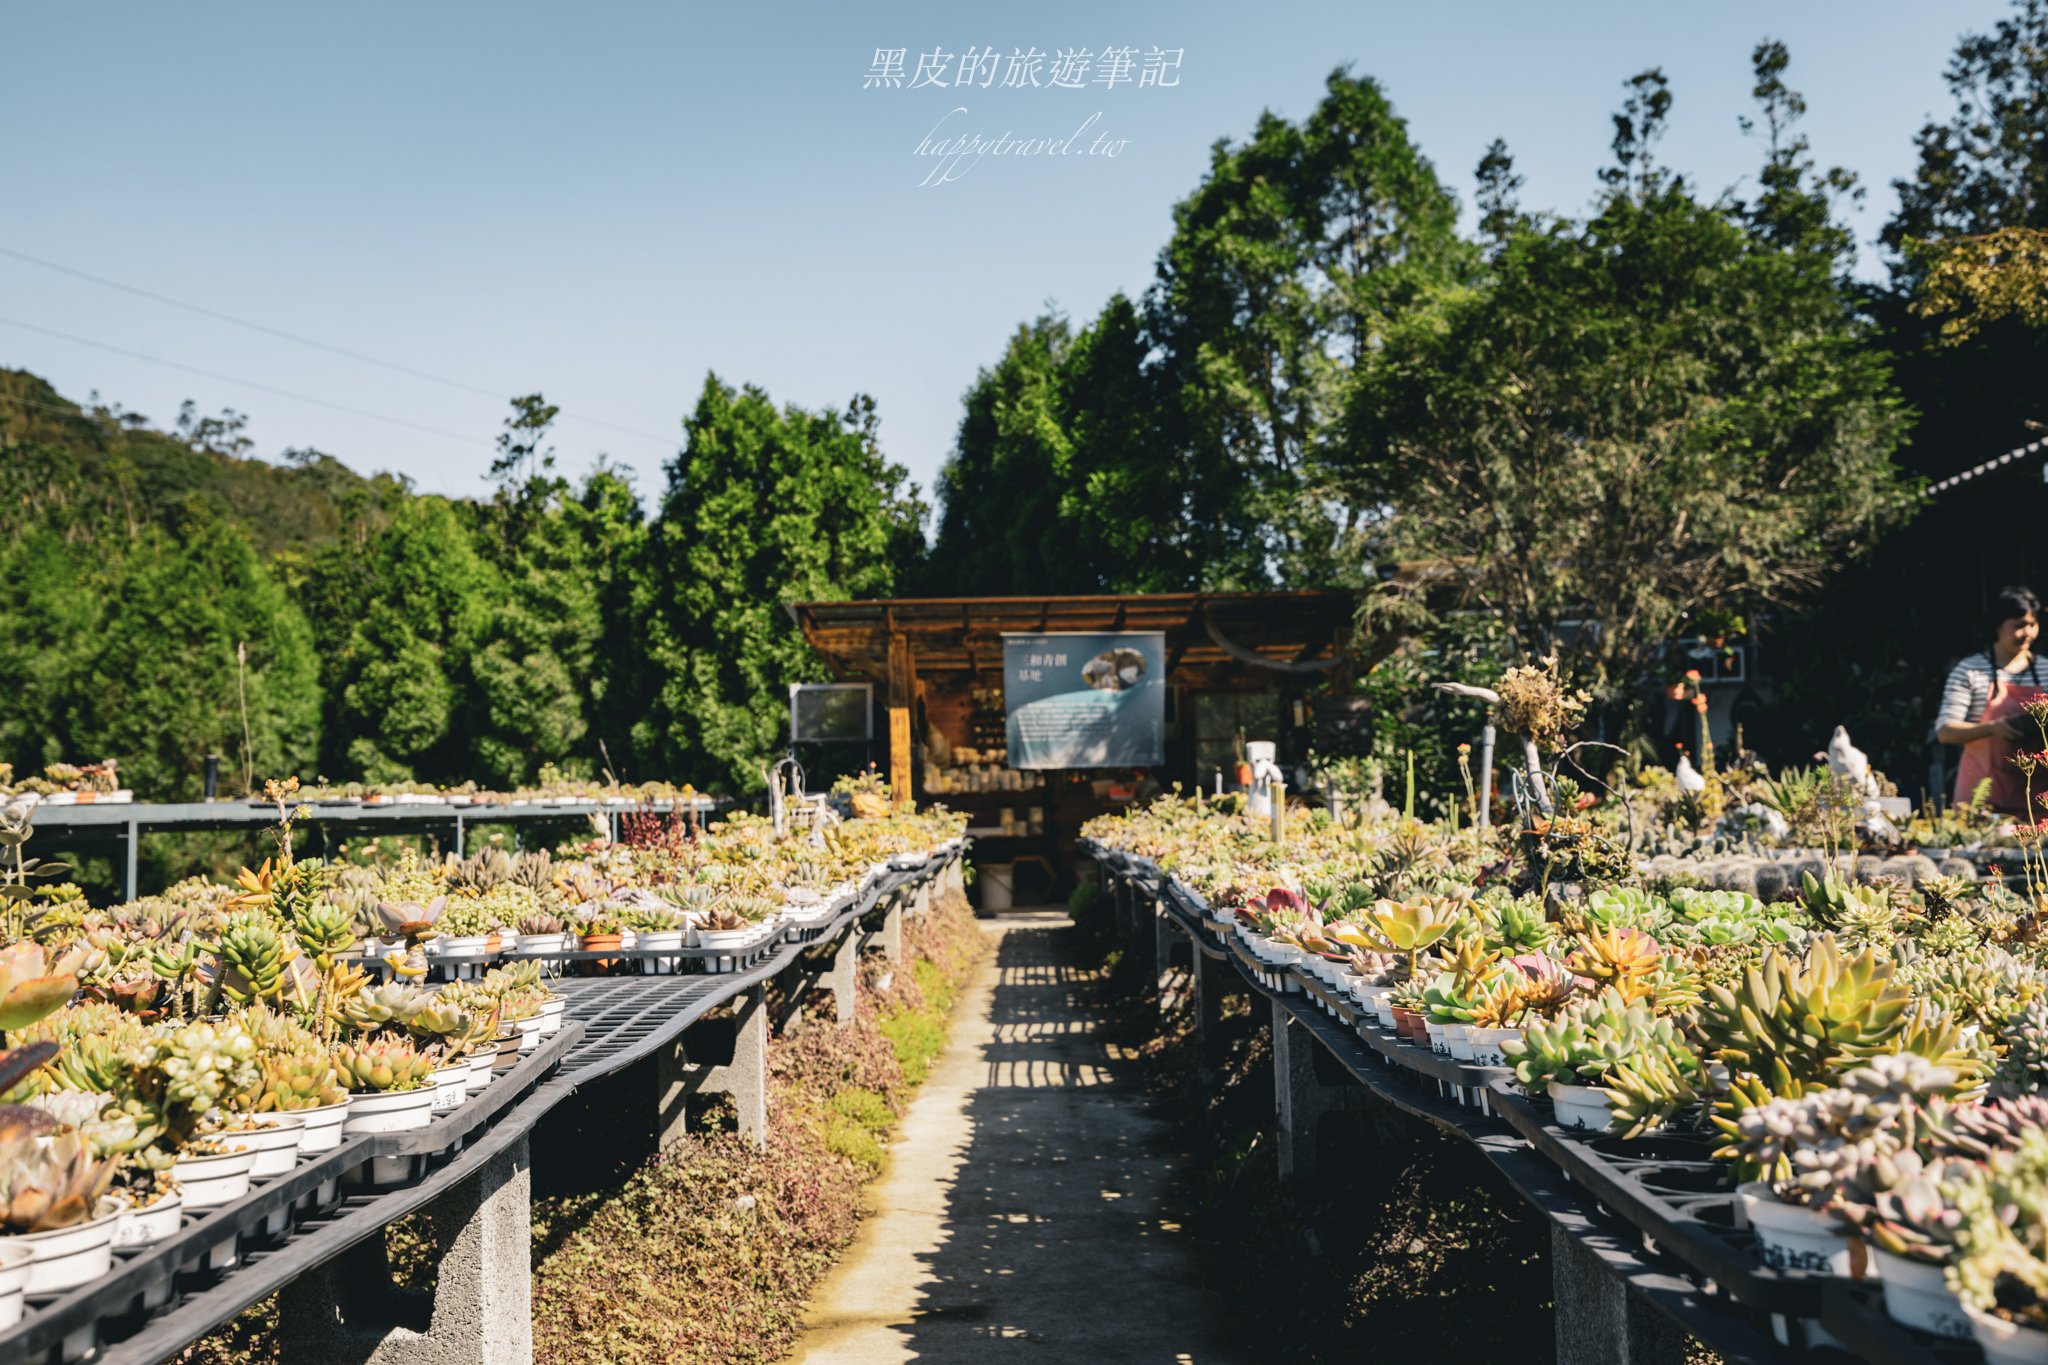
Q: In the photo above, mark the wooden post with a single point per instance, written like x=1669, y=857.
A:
x=902, y=698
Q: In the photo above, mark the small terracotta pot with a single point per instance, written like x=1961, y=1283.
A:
x=598, y=943
x=1409, y=1024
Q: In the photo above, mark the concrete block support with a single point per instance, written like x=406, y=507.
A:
x=745, y=1077
x=348, y=1312
x=844, y=977
x=1166, y=939
x=1300, y=1096
x=1599, y=1322
x=1210, y=981
x=890, y=939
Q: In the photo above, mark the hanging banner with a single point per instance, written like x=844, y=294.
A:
x=1085, y=700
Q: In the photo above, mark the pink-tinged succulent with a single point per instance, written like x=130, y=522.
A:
x=32, y=986
x=1281, y=901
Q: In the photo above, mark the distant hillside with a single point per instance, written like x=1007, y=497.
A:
x=88, y=471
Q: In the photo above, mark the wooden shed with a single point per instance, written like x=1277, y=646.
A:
x=1237, y=665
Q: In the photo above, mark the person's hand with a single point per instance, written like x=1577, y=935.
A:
x=2009, y=728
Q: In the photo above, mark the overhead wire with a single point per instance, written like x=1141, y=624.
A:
x=245, y=383
x=298, y=339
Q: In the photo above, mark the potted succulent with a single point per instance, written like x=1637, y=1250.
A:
x=455, y=1032
x=390, y=1084
x=1574, y=1057
x=658, y=928
x=297, y=1079
x=1904, y=1206
x=1795, y=1156
x=58, y=1207
x=540, y=933
x=2000, y=1265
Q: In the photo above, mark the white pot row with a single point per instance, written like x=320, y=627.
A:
x=47, y=1262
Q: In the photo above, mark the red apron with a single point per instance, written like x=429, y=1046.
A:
x=1993, y=758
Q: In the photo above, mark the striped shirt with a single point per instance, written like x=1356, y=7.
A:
x=1968, y=690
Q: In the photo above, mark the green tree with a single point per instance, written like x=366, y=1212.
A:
x=398, y=615
x=764, y=507
x=160, y=686
x=1287, y=266
x=1002, y=531
x=1666, y=408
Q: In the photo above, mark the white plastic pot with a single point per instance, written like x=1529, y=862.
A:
x=390, y=1111
x=208, y=1181
x=546, y=943
x=14, y=1263
x=1459, y=1037
x=1486, y=1049
x=1582, y=1106
x=727, y=940
x=277, y=1144
x=1916, y=1293
x=529, y=1031
x=1383, y=1007
x=480, y=1071
x=451, y=1087
x=552, y=1012
x=1438, y=1042
x=140, y=1227
x=76, y=1255
x=2006, y=1343
x=660, y=941
x=323, y=1127
x=1792, y=1236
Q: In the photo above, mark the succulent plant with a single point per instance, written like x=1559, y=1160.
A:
x=1619, y=957
x=411, y=920
x=1658, y=1077
x=325, y=929
x=253, y=957
x=1626, y=907
x=47, y=1183
x=1910, y=1213
x=2000, y=1262
x=384, y=1064
x=1519, y=926
x=543, y=924
x=1594, y=1034
x=1796, y=1024
x=1806, y=1147
x=296, y=1071
x=1444, y=1000
x=2024, y=1068
x=201, y=1065
x=1978, y=1130
x=457, y=1031
x=1406, y=927
x=480, y=871
x=393, y=1005
x=32, y=984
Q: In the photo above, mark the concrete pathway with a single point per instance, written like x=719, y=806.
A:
x=1022, y=1216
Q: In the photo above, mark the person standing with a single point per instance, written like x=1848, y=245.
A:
x=1982, y=700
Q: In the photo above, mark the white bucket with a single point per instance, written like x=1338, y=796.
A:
x=998, y=885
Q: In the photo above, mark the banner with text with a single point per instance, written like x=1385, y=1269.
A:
x=1085, y=701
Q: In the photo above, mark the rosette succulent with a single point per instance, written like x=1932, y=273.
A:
x=47, y=1183
x=384, y=1064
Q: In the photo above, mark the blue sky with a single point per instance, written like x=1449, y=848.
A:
x=604, y=202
